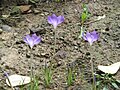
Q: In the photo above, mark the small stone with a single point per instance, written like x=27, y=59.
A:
x=61, y=54
x=76, y=47
x=46, y=13
x=6, y=28
x=42, y=14
x=59, y=63
x=43, y=54
x=36, y=11
x=1, y=30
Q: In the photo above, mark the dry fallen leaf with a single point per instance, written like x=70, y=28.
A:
x=111, y=69
x=17, y=80
x=24, y=8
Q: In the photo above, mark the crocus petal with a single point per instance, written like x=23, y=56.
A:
x=60, y=19
x=36, y=39
x=34, y=36
x=32, y=40
x=91, y=37
x=93, y=33
x=25, y=40
x=54, y=16
x=96, y=36
x=84, y=37
x=29, y=40
x=54, y=20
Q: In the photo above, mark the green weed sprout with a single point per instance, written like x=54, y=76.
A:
x=84, y=16
x=34, y=85
x=70, y=77
x=47, y=76
x=57, y=0
x=106, y=81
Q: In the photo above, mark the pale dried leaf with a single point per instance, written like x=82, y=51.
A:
x=111, y=69
x=17, y=80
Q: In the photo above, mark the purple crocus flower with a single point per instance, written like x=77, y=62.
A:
x=32, y=40
x=54, y=20
x=6, y=74
x=91, y=37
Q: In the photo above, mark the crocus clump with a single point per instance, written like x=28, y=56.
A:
x=32, y=40
x=54, y=20
x=91, y=37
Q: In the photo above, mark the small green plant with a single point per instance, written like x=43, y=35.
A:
x=57, y=0
x=15, y=10
x=106, y=81
x=34, y=85
x=84, y=16
x=47, y=76
x=70, y=77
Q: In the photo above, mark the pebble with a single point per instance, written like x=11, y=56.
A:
x=46, y=13
x=42, y=14
x=1, y=30
x=36, y=11
x=6, y=28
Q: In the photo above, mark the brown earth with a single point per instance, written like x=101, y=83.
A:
x=71, y=51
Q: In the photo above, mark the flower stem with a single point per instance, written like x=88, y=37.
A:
x=55, y=41
x=31, y=68
x=81, y=31
x=92, y=71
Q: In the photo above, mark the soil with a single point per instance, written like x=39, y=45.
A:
x=71, y=51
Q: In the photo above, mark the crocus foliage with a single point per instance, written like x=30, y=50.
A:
x=54, y=20
x=32, y=40
x=91, y=37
